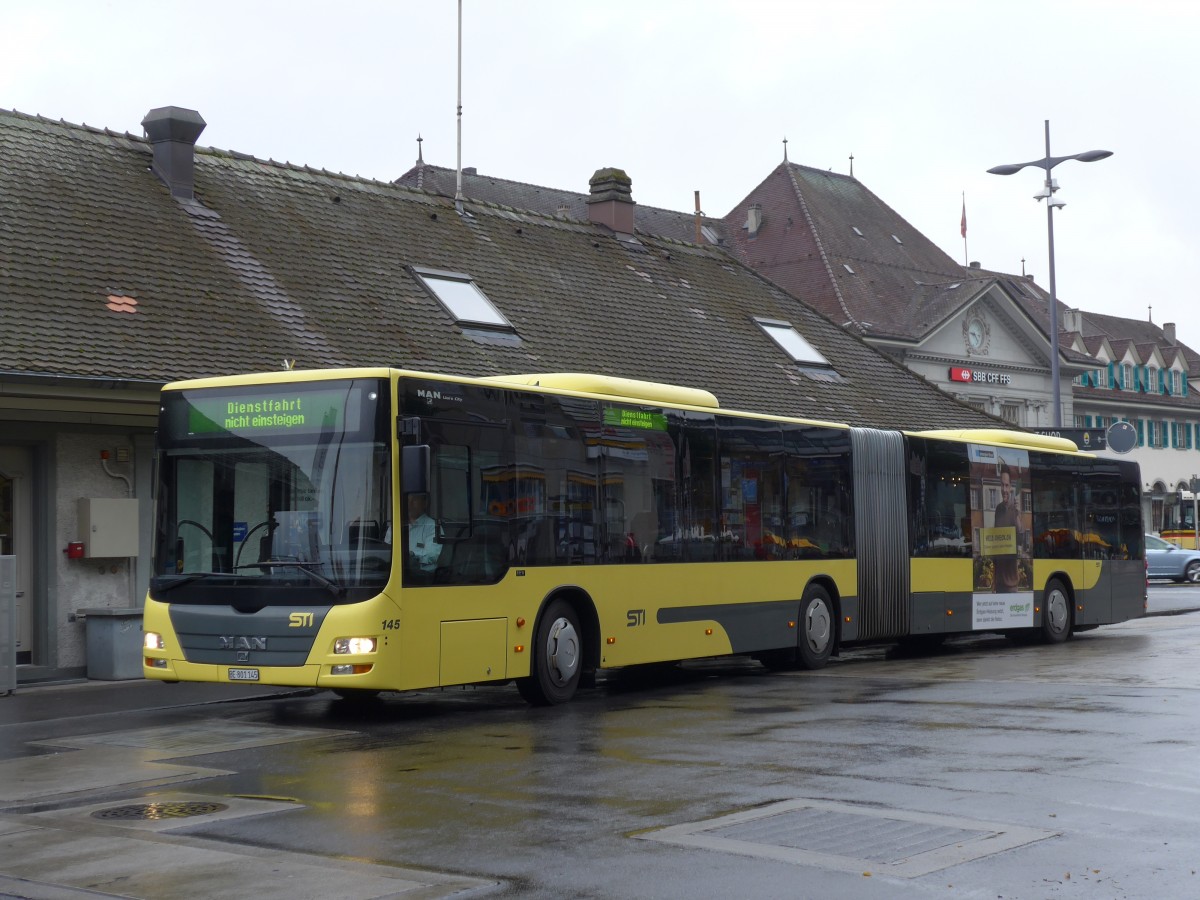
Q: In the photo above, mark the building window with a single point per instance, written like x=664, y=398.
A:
x=462, y=298
x=1127, y=377
x=792, y=343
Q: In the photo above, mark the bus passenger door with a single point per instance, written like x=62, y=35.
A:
x=1100, y=543
x=1093, y=604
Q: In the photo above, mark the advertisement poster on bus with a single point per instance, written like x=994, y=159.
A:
x=1001, y=518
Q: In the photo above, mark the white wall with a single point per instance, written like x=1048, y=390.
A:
x=87, y=583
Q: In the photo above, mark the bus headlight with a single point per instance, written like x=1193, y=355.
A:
x=355, y=645
x=153, y=641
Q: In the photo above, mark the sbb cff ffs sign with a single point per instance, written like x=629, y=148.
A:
x=962, y=373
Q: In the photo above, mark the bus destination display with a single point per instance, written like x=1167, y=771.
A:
x=281, y=413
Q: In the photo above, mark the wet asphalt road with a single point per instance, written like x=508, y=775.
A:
x=1085, y=755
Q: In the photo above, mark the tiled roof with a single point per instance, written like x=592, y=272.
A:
x=1138, y=332
x=550, y=201
x=825, y=237
x=104, y=275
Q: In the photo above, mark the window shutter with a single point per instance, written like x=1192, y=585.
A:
x=1174, y=436
x=1183, y=378
x=1141, y=430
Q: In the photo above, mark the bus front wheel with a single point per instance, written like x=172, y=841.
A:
x=818, y=627
x=1056, y=613
x=557, y=657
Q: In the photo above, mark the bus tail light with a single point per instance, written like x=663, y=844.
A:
x=355, y=645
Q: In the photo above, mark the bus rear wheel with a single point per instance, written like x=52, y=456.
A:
x=1056, y=613
x=818, y=628
x=557, y=657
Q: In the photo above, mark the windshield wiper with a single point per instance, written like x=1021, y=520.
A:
x=338, y=591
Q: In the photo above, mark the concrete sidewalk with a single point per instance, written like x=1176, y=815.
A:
x=93, y=814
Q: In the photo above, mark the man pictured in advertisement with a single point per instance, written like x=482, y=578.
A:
x=1008, y=515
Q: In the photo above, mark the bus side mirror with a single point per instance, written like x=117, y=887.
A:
x=414, y=469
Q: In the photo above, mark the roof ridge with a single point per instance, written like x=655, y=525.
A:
x=75, y=126
x=582, y=195
x=816, y=236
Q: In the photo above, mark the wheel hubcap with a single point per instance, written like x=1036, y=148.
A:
x=817, y=626
x=1056, y=611
x=562, y=651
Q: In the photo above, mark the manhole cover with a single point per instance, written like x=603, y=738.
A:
x=152, y=811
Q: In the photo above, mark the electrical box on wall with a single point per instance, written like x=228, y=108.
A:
x=108, y=527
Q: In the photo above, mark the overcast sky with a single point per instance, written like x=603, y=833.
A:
x=697, y=95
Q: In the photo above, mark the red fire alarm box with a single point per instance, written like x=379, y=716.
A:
x=74, y=550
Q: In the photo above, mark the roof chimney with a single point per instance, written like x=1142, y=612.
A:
x=173, y=131
x=611, y=201
x=975, y=264
x=1072, y=320
x=1169, y=332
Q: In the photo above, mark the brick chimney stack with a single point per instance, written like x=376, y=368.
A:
x=173, y=132
x=611, y=201
x=1169, y=332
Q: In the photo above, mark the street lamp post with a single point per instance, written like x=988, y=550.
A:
x=1052, y=202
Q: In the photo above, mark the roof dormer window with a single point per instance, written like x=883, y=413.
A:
x=792, y=343
x=462, y=298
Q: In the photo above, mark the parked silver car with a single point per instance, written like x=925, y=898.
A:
x=1165, y=560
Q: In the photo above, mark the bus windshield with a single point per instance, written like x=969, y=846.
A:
x=276, y=493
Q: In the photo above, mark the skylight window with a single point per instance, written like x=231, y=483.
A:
x=792, y=343
x=846, y=266
x=462, y=298
x=856, y=231
x=897, y=240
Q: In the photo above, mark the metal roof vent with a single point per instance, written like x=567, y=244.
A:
x=172, y=131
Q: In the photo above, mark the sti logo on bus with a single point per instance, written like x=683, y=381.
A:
x=300, y=620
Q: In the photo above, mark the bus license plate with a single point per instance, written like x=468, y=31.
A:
x=243, y=674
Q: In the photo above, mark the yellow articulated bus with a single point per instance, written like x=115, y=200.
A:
x=371, y=530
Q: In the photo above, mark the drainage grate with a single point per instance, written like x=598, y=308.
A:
x=153, y=811
x=848, y=838
x=879, y=839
